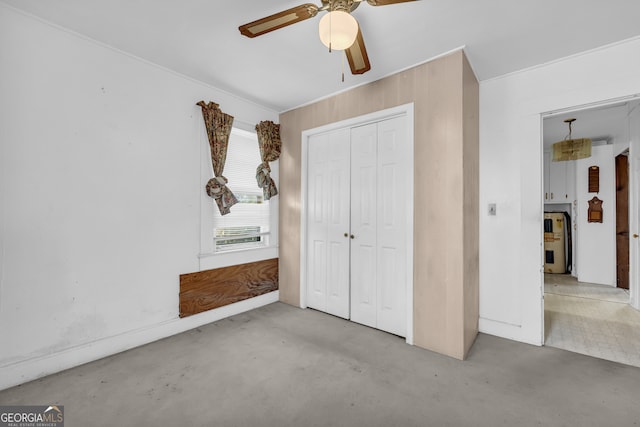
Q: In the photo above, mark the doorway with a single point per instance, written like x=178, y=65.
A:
x=587, y=309
x=622, y=220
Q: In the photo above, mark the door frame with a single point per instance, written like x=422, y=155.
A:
x=634, y=202
x=406, y=110
x=634, y=215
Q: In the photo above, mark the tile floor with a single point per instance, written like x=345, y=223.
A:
x=590, y=319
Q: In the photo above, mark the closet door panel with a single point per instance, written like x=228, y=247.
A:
x=391, y=226
x=317, y=222
x=338, y=200
x=364, y=215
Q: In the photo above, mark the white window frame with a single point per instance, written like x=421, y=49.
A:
x=208, y=256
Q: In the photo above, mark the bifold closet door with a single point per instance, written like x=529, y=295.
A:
x=328, y=223
x=379, y=155
x=364, y=213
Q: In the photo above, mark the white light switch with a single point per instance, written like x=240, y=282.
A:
x=492, y=208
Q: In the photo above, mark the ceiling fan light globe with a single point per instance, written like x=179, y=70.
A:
x=338, y=30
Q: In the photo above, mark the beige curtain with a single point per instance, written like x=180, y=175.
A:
x=218, y=126
x=269, y=143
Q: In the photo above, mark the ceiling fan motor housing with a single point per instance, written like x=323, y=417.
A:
x=341, y=5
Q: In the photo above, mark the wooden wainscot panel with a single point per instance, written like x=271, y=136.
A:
x=210, y=289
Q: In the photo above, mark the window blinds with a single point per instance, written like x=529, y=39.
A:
x=247, y=225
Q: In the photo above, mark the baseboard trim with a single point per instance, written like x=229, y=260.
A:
x=37, y=367
x=506, y=330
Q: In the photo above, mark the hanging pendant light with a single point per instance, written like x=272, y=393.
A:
x=338, y=30
x=571, y=149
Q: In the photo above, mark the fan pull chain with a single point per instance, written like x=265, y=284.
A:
x=330, y=28
x=342, y=68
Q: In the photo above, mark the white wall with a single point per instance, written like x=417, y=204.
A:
x=100, y=194
x=596, y=251
x=510, y=176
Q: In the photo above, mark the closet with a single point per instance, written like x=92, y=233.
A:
x=358, y=225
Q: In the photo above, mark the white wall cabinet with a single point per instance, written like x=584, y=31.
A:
x=559, y=180
x=357, y=233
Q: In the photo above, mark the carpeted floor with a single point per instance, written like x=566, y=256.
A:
x=283, y=366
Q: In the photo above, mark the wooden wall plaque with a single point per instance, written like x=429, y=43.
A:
x=594, y=179
x=594, y=214
x=215, y=288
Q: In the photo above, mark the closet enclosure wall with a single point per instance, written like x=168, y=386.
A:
x=446, y=214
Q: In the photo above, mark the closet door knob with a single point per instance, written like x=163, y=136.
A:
x=353, y=237
x=346, y=234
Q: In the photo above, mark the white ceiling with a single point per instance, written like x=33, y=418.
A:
x=602, y=124
x=290, y=67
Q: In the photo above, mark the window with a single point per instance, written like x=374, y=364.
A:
x=248, y=224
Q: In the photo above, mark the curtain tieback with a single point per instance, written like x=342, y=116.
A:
x=216, y=188
x=263, y=175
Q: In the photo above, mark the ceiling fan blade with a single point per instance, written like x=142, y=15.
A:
x=357, y=56
x=386, y=2
x=279, y=20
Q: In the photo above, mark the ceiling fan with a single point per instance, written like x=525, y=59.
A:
x=338, y=29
